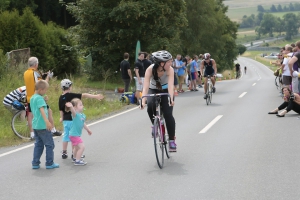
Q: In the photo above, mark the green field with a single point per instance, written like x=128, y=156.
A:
x=239, y=8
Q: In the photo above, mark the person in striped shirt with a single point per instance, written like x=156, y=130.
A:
x=18, y=94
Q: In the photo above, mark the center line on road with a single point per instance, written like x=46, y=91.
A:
x=254, y=84
x=243, y=94
x=211, y=124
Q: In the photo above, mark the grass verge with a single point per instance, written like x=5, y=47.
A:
x=94, y=108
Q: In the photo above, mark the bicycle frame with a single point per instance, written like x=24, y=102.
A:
x=160, y=141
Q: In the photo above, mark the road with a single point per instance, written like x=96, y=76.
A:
x=246, y=154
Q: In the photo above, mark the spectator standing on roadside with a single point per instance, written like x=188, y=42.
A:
x=286, y=73
x=140, y=74
x=126, y=72
x=199, y=79
x=294, y=64
x=31, y=77
x=146, y=61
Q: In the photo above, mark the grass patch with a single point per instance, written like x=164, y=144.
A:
x=94, y=108
x=255, y=55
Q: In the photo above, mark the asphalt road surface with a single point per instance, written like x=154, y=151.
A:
x=231, y=149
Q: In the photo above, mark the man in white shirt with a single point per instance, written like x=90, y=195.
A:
x=286, y=74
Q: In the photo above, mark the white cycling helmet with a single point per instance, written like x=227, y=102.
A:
x=161, y=56
x=206, y=56
x=65, y=84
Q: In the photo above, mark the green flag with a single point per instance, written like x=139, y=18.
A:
x=137, y=49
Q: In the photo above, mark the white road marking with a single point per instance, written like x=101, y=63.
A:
x=13, y=151
x=243, y=94
x=211, y=124
x=254, y=84
x=27, y=146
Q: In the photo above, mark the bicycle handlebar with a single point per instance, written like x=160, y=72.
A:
x=155, y=95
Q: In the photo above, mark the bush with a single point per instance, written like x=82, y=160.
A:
x=47, y=42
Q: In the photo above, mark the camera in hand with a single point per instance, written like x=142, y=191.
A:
x=292, y=97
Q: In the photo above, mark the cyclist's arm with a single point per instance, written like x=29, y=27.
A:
x=148, y=74
x=171, y=83
x=215, y=66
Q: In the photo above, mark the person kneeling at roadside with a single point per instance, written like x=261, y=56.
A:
x=291, y=102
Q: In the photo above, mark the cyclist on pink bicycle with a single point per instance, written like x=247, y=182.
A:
x=159, y=78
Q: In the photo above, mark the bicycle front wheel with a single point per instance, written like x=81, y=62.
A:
x=210, y=93
x=158, y=143
x=19, y=125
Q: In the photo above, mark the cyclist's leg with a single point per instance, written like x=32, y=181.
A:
x=205, y=84
x=151, y=105
x=168, y=115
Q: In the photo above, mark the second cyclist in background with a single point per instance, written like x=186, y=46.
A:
x=210, y=67
x=237, y=70
x=245, y=69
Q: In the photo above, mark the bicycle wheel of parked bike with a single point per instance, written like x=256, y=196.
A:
x=158, y=143
x=19, y=125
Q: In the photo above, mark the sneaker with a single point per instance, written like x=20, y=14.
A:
x=35, y=166
x=54, y=165
x=205, y=96
x=192, y=90
x=56, y=133
x=83, y=156
x=214, y=89
x=74, y=159
x=81, y=162
x=64, y=155
x=195, y=90
x=200, y=86
x=172, y=146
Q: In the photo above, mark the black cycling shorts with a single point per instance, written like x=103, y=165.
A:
x=209, y=73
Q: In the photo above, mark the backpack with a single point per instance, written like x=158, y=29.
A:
x=17, y=105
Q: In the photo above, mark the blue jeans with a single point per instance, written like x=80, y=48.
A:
x=43, y=138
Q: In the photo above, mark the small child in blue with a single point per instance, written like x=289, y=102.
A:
x=41, y=127
x=76, y=108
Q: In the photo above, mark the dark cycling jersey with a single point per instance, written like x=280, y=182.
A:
x=209, y=70
x=237, y=67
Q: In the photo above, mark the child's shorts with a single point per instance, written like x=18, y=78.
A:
x=75, y=140
x=67, y=127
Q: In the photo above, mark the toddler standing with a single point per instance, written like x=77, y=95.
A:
x=78, y=118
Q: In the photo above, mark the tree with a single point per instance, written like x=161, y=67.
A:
x=280, y=25
x=260, y=8
x=4, y=4
x=273, y=8
x=21, y=4
x=279, y=8
x=285, y=9
x=291, y=25
x=291, y=7
x=267, y=25
x=241, y=48
x=108, y=28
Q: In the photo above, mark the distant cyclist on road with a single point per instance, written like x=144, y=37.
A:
x=245, y=69
x=237, y=70
x=210, y=67
x=159, y=78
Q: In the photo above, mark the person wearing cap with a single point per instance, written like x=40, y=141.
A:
x=65, y=117
x=159, y=78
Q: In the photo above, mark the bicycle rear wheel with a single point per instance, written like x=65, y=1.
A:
x=158, y=144
x=19, y=125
